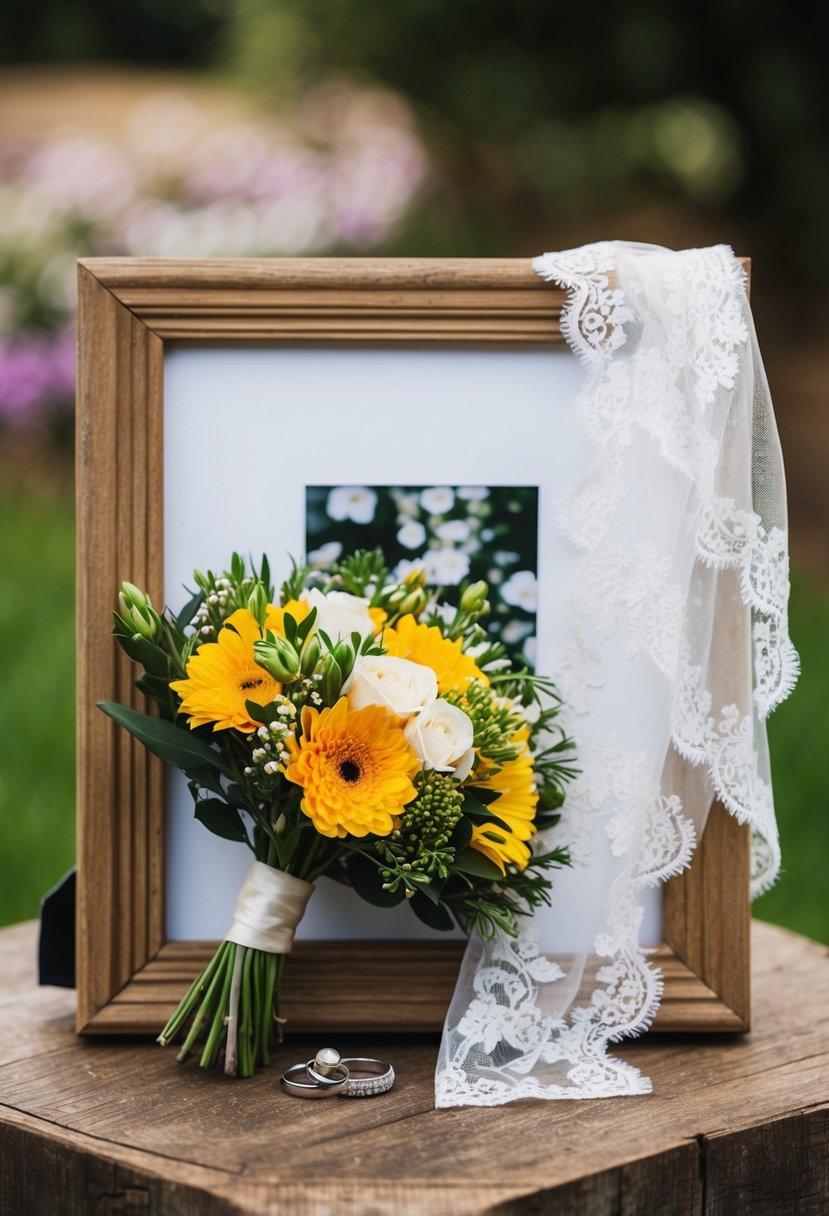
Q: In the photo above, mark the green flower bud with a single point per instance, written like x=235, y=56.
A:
x=131, y=596
x=279, y=658
x=146, y=623
x=344, y=654
x=258, y=602
x=413, y=603
x=310, y=655
x=332, y=679
x=279, y=826
x=474, y=597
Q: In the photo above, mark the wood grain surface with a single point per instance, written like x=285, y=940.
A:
x=736, y=1126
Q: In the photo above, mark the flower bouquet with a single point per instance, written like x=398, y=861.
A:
x=357, y=728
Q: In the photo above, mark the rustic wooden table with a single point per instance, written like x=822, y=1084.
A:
x=735, y=1125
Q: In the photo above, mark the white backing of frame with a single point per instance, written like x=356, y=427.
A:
x=247, y=429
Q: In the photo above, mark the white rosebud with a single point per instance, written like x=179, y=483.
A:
x=339, y=614
x=400, y=686
x=441, y=736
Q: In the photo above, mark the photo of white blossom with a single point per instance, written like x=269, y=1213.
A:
x=455, y=534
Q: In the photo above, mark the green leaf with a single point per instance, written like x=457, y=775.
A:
x=461, y=835
x=479, y=794
x=179, y=747
x=189, y=611
x=260, y=713
x=366, y=881
x=265, y=576
x=435, y=916
x=221, y=819
x=141, y=650
x=470, y=861
x=485, y=816
x=306, y=626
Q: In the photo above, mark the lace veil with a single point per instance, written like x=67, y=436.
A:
x=681, y=587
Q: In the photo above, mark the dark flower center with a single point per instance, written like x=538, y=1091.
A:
x=349, y=771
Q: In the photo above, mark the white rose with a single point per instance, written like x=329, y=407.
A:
x=441, y=736
x=340, y=614
x=400, y=686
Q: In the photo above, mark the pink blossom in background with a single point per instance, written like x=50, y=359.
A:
x=37, y=372
x=337, y=173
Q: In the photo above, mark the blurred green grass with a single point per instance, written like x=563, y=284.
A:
x=37, y=704
x=37, y=707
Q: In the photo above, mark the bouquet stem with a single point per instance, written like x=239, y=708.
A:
x=232, y=1005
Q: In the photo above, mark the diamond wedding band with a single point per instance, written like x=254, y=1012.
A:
x=367, y=1077
x=327, y=1074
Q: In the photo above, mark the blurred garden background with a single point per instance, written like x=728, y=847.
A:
x=285, y=127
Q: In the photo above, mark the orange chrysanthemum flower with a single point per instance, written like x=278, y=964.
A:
x=223, y=675
x=355, y=769
x=426, y=644
x=516, y=806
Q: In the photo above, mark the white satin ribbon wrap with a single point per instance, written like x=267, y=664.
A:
x=270, y=905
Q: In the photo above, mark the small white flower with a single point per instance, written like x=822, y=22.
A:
x=504, y=557
x=404, y=568
x=473, y=493
x=438, y=500
x=357, y=503
x=446, y=567
x=412, y=534
x=515, y=631
x=406, y=503
x=453, y=529
x=521, y=590
x=326, y=555
x=488, y=534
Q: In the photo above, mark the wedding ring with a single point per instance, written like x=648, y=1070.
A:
x=336, y=1073
x=366, y=1077
x=297, y=1082
x=326, y=1061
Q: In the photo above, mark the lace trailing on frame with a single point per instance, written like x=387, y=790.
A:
x=680, y=524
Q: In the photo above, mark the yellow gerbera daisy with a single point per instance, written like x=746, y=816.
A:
x=516, y=806
x=426, y=644
x=223, y=675
x=355, y=769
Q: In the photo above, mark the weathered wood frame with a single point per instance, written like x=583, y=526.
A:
x=129, y=978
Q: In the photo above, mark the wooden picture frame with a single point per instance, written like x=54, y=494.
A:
x=129, y=979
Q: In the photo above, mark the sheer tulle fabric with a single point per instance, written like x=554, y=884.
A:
x=680, y=590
